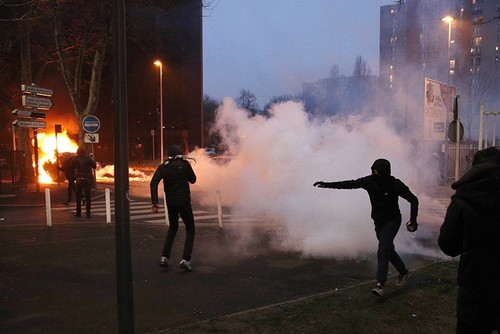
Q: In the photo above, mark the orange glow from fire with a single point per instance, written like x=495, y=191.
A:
x=47, y=151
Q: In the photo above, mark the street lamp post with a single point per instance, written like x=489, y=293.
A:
x=448, y=19
x=160, y=65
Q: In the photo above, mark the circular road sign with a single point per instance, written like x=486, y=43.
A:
x=91, y=124
x=452, y=131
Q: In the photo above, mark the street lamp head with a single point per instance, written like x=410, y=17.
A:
x=448, y=19
x=157, y=63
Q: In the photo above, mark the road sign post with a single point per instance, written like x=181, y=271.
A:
x=37, y=102
x=29, y=124
x=91, y=138
x=91, y=124
x=34, y=98
x=23, y=113
x=33, y=89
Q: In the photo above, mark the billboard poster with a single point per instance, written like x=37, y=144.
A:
x=437, y=108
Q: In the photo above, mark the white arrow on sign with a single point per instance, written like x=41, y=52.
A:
x=29, y=124
x=37, y=90
x=37, y=102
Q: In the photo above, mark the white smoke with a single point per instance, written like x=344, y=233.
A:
x=275, y=161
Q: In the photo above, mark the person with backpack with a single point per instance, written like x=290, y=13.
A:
x=176, y=173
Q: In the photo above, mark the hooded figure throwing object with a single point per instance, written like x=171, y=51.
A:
x=471, y=229
x=176, y=173
x=384, y=191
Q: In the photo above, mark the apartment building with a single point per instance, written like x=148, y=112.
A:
x=416, y=43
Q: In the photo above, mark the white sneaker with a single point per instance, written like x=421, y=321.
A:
x=378, y=290
x=185, y=265
x=163, y=262
x=403, y=278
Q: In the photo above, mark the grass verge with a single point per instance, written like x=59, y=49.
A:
x=425, y=305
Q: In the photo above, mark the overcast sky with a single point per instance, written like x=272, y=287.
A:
x=271, y=47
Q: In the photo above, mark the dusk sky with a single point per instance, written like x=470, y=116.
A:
x=271, y=47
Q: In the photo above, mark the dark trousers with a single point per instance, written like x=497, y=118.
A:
x=386, y=232
x=186, y=213
x=83, y=186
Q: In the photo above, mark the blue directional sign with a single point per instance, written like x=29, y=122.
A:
x=91, y=124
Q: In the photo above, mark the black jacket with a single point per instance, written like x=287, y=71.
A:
x=68, y=168
x=83, y=165
x=384, y=192
x=176, y=174
x=471, y=229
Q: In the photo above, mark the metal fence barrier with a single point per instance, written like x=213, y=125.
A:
x=13, y=175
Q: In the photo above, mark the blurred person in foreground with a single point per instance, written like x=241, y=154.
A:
x=83, y=166
x=384, y=191
x=471, y=229
x=176, y=173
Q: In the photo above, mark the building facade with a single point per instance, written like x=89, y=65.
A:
x=415, y=43
x=174, y=37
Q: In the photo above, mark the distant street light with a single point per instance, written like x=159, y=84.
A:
x=160, y=65
x=449, y=19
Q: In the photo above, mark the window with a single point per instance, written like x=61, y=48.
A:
x=477, y=19
x=475, y=51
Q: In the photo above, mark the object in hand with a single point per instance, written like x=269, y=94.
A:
x=411, y=226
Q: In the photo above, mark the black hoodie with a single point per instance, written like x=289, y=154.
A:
x=384, y=192
x=471, y=229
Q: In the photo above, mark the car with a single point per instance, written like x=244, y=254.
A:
x=211, y=151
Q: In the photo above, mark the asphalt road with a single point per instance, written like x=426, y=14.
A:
x=62, y=279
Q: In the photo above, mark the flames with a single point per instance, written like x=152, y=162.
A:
x=47, y=148
x=47, y=161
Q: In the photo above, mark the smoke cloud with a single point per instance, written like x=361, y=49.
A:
x=273, y=163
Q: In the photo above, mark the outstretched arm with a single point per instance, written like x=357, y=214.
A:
x=350, y=184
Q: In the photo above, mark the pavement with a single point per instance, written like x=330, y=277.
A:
x=62, y=278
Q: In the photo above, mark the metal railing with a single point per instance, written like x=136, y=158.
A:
x=12, y=170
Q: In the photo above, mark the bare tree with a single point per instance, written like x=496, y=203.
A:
x=334, y=72
x=81, y=35
x=280, y=99
x=248, y=101
x=361, y=68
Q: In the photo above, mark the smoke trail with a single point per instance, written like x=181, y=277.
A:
x=276, y=160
